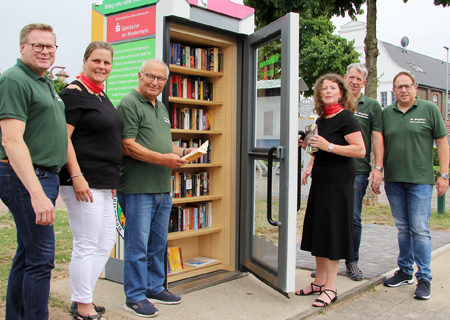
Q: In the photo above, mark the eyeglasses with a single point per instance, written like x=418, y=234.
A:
x=401, y=86
x=152, y=77
x=39, y=47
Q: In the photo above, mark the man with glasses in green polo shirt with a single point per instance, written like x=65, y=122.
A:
x=410, y=127
x=144, y=190
x=33, y=149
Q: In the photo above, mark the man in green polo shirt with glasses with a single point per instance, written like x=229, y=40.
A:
x=33, y=149
x=410, y=127
x=144, y=190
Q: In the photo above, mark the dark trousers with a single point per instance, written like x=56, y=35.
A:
x=29, y=279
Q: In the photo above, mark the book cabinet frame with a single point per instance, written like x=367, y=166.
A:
x=219, y=241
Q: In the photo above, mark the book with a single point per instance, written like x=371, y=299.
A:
x=199, y=261
x=197, y=153
x=187, y=57
x=216, y=59
x=192, y=58
x=221, y=61
x=195, y=263
x=183, y=56
x=174, y=259
x=310, y=130
x=208, y=260
x=195, y=215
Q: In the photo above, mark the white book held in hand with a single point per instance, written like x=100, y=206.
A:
x=197, y=153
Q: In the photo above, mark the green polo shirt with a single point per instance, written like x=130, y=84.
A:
x=30, y=98
x=151, y=128
x=370, y=118
x=409, y=138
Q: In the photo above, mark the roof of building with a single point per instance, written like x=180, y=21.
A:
x=428, y=71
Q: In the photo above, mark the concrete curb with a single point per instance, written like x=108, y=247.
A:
x=358, y=290
x=344, y=297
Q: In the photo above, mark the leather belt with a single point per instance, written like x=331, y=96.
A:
x=36, y=166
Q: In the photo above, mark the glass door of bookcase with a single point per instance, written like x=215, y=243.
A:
x=268, y=204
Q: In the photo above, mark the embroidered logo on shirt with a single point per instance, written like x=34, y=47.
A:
x=418, y=120
x=57, y=97
x=167, y=120
x=362, y=115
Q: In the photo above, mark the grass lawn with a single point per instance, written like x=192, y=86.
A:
x=8, y=244
x=379, y=214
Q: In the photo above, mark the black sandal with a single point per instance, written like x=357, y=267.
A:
x=77, y=316
x=98, y=309
x=326, y=303
x=302, y=293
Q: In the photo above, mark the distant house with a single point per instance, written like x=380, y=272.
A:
x=429, y=72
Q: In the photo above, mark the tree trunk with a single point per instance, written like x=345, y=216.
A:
x=371, y=52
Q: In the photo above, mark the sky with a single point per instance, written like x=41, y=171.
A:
x=426, y=26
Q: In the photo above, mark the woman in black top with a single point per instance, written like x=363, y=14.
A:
x=91, y=175
x=328, y=225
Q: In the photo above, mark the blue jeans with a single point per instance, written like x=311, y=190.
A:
x=411, y=209
x=360, y=186
x=146, y=230
x=29, y=279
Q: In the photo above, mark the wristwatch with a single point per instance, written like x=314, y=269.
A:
x=330, y=147
x=380, y=168
x=445, y=176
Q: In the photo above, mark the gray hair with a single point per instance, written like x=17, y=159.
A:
x=160, y=61
x=360, y=67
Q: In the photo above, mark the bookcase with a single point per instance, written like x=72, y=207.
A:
x=218, y=241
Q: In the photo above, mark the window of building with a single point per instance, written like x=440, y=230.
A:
x=383, y=99
x=416, y=67
x=435, y=98
x=393, y=97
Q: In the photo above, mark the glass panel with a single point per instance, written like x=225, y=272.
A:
x=265, y=236
x=268, y=88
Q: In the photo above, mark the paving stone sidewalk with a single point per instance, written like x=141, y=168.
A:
x=378, y=252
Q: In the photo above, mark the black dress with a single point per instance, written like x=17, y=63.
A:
x=97, y=137
x=328, y=224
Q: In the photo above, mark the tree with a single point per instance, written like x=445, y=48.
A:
x=320, y=51
x=267, y=11
x=57, y=84
x=371, y=52
x=370, y=48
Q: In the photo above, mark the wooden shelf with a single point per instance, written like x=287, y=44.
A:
x=193, y=71
x=192, y=271
x=219, y=132
x=195, y=199
x=195, y=102
x=201, y=165
x=218, y=241
x=192, y=233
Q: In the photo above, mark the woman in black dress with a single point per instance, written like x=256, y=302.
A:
x=328, y=224
x=91, y=175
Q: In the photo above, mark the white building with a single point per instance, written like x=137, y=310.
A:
x=429, y=72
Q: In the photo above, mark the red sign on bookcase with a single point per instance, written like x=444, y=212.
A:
x=132, y=24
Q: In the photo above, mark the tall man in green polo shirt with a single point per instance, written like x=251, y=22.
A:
x=369, y=116
x=34, y=148
x=144, y=190
x=410, y=128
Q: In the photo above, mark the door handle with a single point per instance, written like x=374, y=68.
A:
x=269, y=189
x=302, y=134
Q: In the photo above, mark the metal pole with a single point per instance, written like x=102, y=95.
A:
x=441, y=199
x=446, y=90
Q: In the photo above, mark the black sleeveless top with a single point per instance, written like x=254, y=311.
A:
x=97, y=137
